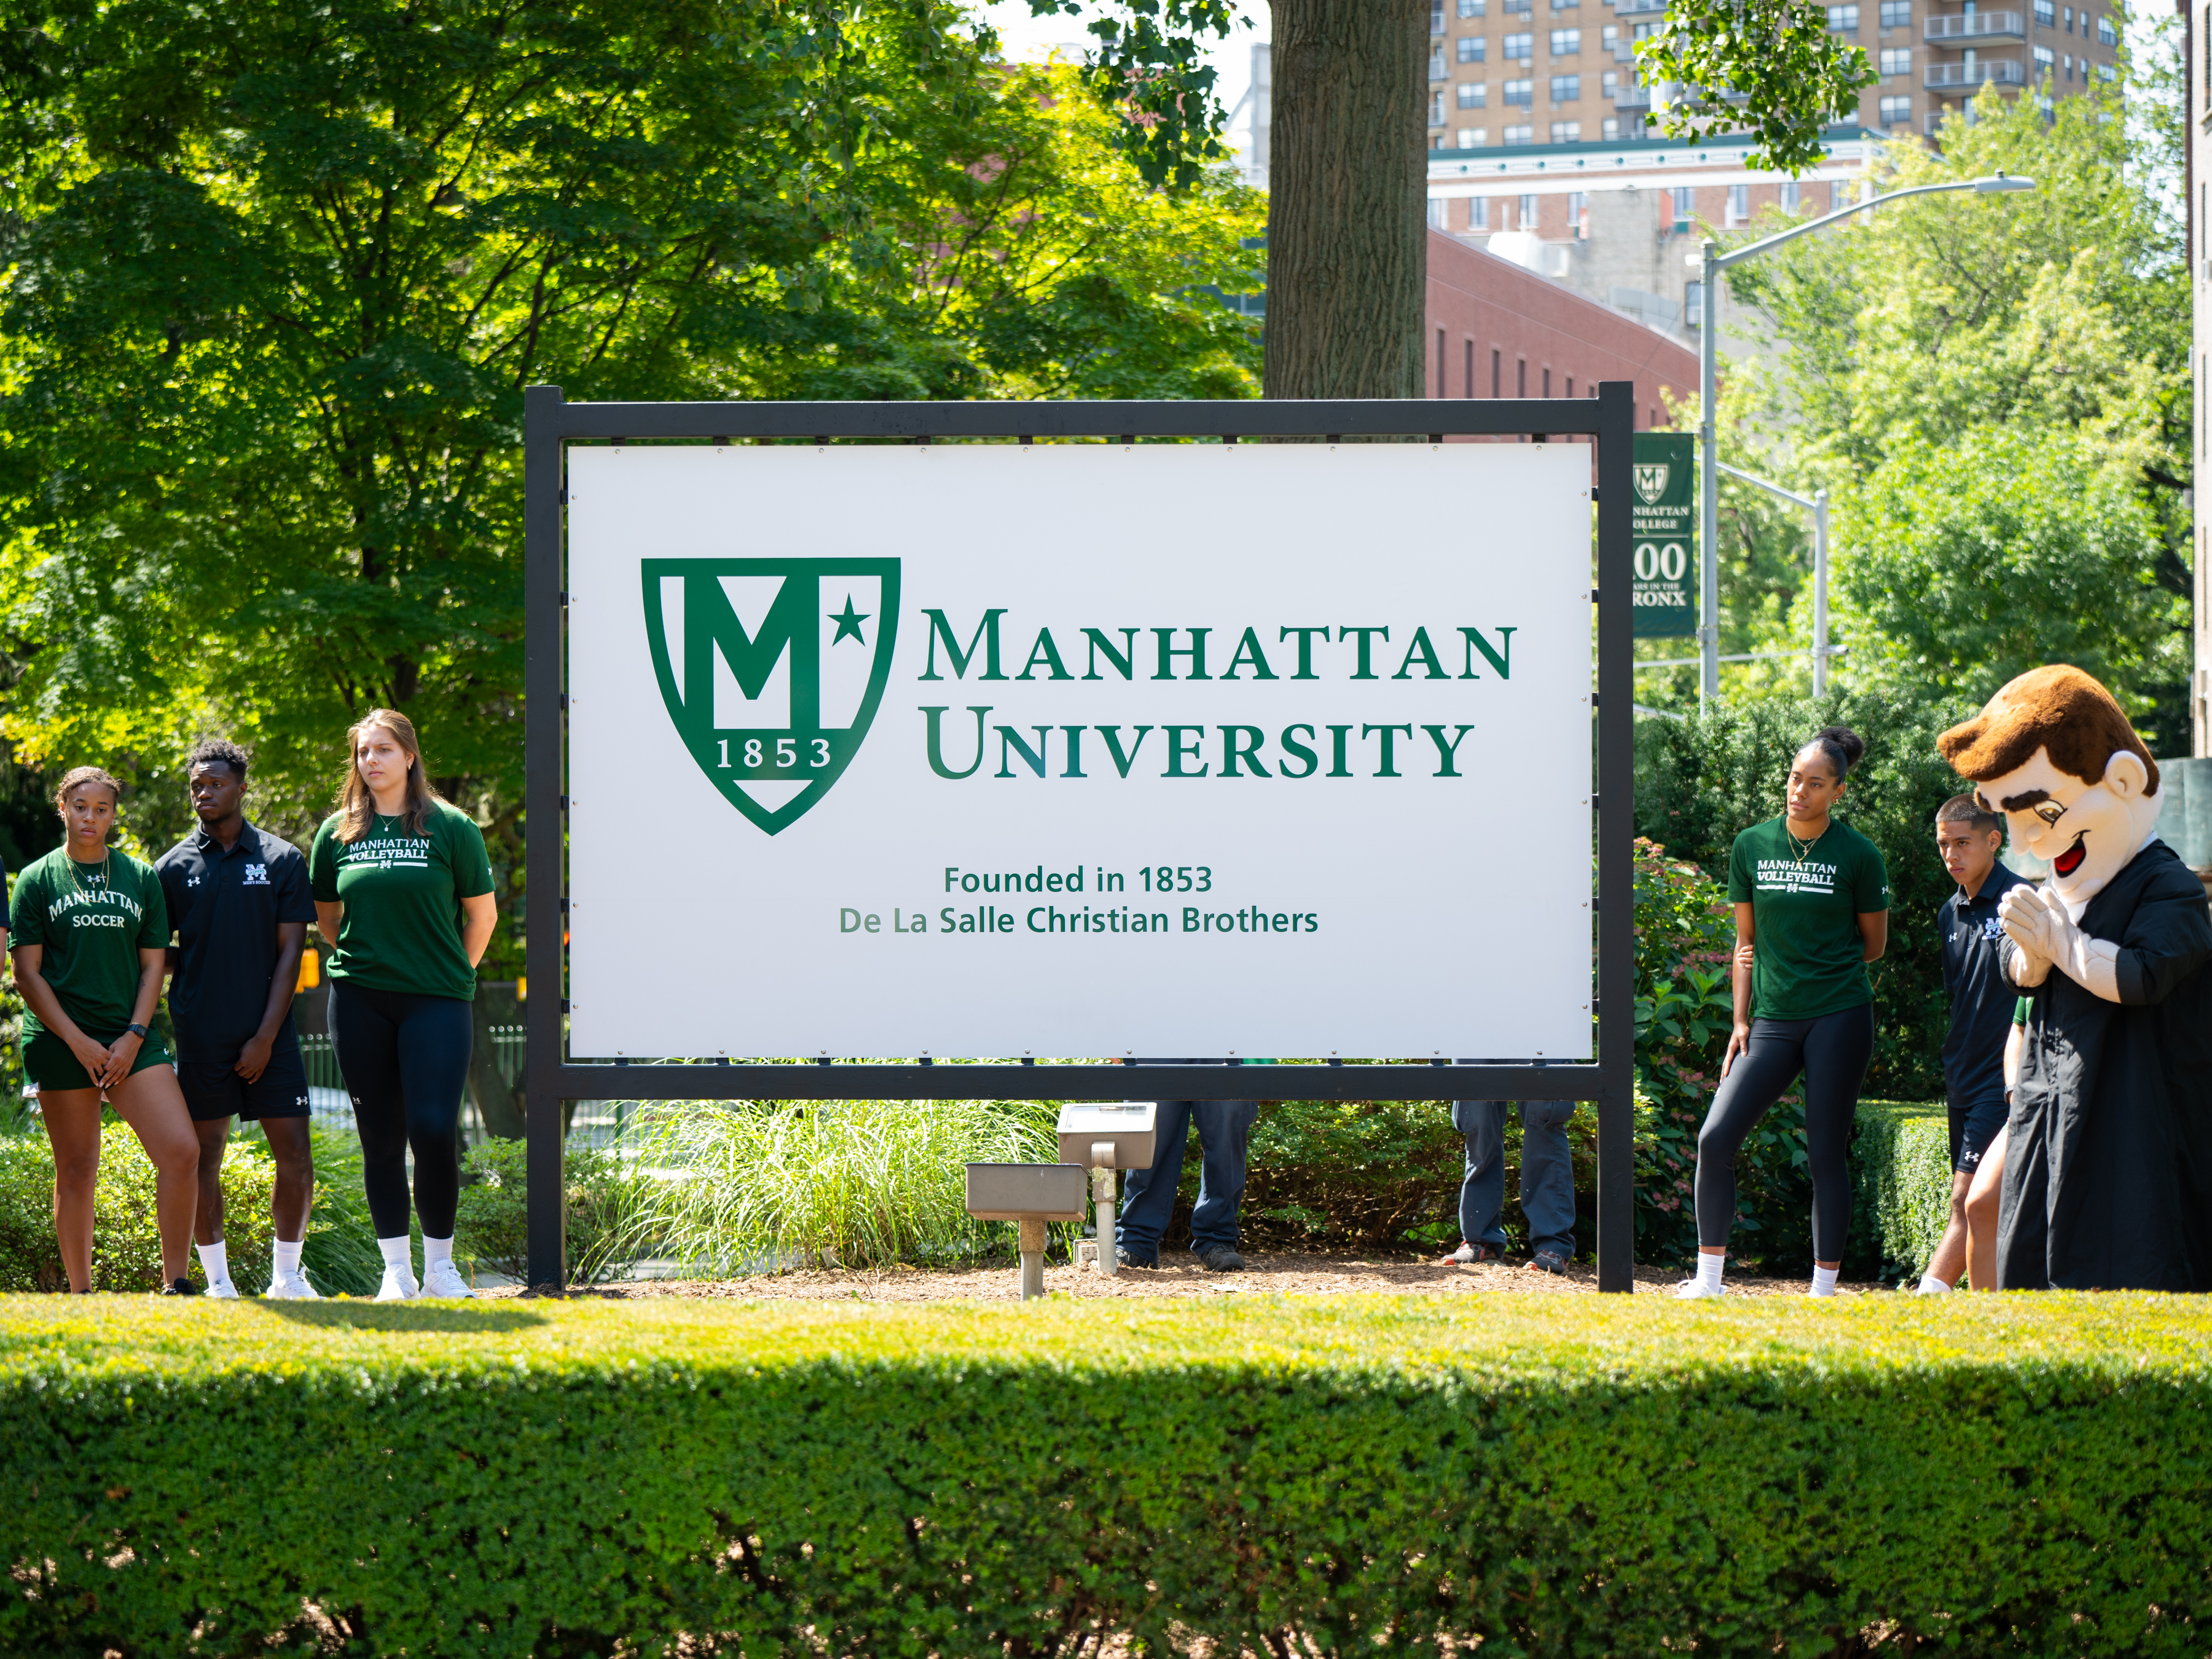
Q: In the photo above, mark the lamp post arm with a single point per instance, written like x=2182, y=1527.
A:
x=1767, y=243
x=1770, y=488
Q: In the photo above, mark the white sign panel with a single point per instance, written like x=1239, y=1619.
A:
x=1096, y=751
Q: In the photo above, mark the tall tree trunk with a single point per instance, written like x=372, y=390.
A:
x=1347, y=218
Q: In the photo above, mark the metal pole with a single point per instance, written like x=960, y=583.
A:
x=1616, y=839
x=1032, y=1243
x=1102, y=1199
x=1709, y=488
x=543, y=822
x=1820, y=592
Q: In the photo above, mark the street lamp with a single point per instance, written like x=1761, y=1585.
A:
x=1709, y=263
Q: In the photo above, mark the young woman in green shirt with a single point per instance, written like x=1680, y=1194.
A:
x=1812, y=896
x=403, y=888
x=88, y=932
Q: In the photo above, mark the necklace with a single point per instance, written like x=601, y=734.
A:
x=1802, y=848
x=99, y=881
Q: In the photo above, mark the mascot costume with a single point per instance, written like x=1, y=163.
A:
x=2108, y=1171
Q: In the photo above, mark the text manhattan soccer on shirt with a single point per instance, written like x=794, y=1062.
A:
x=72, y=900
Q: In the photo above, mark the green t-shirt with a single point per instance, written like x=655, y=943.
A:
x=91, y=929
x=1809, y=957
x=402, y=892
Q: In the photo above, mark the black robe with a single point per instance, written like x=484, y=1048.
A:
x=2108, y=1172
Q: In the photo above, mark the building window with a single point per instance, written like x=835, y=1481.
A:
x=1790, y=196
x=1681, y=194
x=1610, y=128
x=1693, y=305
x=1528, y=213
x=2044, y=60
x=1897, y=60
x=1570, y=386
x=1467, y=380
x=1577, y=218
x=1520, y=377
x=2046, y=12
x=1474, y=95
x=1521, y=6
x=1896, y=14
x=1566, y=89
x=2068, y=24
x=1474, y=138
x=1896, y=111
x=1436, y=213
x=1520, y=45
x=1436, y=109
x=2106, y=37
x=1436, y=16
x=1547, y=383
x=1473, y=48
x=1521, y=92
x=1436, y=63
x=1470, y=8
x=1608, y=36
x=1566, y=132
x=1520, y=135
x=1844, y=20
x=1566, y=43
x=2107, y=72
x=1493, y=374
x=1477, y=213
x=1739, y=205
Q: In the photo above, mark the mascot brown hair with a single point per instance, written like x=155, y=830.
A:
x=2108, y=1173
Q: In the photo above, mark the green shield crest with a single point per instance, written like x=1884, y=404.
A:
x=772, y=670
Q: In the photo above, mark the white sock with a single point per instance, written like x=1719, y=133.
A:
x=435, y=1249
x=396, y=1251
x=1823, y=1281
x=1709, y=1269
x=215, y=1260
x=1931, y=1285
x=288, y=1256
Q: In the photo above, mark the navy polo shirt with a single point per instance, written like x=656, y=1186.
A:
x=225, y=906
x=1982, y=999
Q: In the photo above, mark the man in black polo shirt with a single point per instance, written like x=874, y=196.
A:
x=238, y=901
x=1982, y=1003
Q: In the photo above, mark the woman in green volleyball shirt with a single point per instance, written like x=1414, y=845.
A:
x=1811, y=894
x=89, y=930
x=402, y=889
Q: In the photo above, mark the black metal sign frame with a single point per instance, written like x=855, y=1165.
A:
x=550, y=423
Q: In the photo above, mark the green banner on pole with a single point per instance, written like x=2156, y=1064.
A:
x=1664, y=520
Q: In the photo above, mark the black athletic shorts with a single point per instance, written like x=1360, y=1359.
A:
x=1975, y=1128
x=213, y=1090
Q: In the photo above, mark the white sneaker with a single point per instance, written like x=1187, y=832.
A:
x=443, y=1280
x=399, y=1286
x=1691, y=1288
x=222, y=1290
x=290, y=1287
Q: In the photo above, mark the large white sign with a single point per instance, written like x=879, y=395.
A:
x=1173, y=750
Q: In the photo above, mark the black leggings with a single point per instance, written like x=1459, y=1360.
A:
x=1832, y=1052
x=405, y=1058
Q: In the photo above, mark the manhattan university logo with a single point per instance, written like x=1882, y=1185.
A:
x=1651, y=481
x=771, y=670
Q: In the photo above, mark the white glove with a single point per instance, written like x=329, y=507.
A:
x=2036, y=921
x=2020, y=912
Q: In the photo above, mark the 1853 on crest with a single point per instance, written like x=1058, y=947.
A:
x=772, y=670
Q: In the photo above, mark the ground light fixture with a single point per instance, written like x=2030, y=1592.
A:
x=1102, y=1138
x=1709, y=262
x=1030, y=1195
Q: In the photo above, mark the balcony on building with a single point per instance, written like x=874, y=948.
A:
x=1965, y=78
x=1631, y=97
x=1973, y=26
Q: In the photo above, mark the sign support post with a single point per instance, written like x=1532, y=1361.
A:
x=550, y=1080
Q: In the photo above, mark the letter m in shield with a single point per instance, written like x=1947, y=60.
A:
x=771, y=670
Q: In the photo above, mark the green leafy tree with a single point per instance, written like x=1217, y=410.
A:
x=276, y=277
x=1769, y=69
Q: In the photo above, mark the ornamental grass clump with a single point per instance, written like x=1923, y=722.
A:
x=760, y=1186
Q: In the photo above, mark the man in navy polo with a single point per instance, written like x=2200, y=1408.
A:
x=1969, y=836
x=238, y=901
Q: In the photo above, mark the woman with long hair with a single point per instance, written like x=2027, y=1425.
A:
x=1812, y=909
x=89, y=933
x=403, y=890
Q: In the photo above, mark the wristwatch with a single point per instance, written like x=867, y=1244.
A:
x=138, y=1031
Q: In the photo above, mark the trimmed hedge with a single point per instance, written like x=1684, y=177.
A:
x=1550, y=1475
x=1901, y=1182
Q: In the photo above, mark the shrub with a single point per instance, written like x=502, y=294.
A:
x=1700, y=781
x=126, y=1248
x=494, y=1224
x=752, y=1186
x=1559, y=1475
x=1900, y=1185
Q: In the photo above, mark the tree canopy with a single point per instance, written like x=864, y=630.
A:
x=277, y=275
